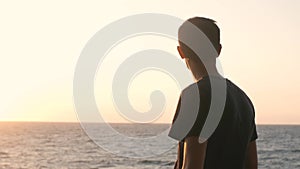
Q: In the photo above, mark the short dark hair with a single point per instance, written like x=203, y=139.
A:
x=207, y=26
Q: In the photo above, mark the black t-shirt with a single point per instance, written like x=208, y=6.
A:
x=226, y=147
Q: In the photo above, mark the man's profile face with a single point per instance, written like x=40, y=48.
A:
x=182, y=55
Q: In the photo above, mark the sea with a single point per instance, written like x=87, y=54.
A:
x=43, y=145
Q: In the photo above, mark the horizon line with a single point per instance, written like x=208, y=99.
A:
x=11, y=121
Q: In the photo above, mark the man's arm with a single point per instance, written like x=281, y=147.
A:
x=251, y=156
x=194, y=153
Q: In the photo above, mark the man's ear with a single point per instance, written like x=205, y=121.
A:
x=180, y=52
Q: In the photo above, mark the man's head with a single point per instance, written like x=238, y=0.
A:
x=187, y=34
x=207, y=26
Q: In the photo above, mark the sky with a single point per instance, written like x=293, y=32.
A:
x=42, y=41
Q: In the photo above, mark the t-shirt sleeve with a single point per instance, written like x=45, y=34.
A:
x=189, y=116
x=177, y=110
x=201, y=116
x=254, y=133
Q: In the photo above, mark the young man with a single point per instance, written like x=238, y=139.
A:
x=231, y=144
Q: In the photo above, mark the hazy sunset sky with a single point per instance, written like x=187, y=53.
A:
x=42, y=40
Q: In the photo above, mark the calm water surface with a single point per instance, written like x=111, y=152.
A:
x=65, y=145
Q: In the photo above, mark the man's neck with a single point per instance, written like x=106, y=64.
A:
x=203, y=73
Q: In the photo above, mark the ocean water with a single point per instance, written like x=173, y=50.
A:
x=66, y=145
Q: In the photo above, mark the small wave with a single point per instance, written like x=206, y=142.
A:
x=4, y=155
x=171, y=163
x=295, y=151
x=106, y=166
x=156, y=162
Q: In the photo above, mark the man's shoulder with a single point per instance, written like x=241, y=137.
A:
x=189, y=88
x=201, y=85
x=238, y=89
x=206, y=86
x=239, y=93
